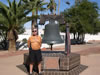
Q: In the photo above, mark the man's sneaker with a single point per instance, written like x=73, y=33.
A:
x=40, y=73
x=30, y=74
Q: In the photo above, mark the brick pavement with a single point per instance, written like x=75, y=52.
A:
x=4, y=54
x=81, y=49
x=90, y=54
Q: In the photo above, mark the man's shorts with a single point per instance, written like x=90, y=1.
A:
x=35, y=56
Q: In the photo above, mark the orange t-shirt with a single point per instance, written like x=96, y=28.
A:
x=35, y=42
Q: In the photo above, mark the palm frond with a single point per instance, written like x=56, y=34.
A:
x=14, y=6
x=9, y=3
x=25, y=1
x=3, y=6
x=26, y=19
x=20, y=2
x=5, y=12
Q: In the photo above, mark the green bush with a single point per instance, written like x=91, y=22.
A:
x=24, y=40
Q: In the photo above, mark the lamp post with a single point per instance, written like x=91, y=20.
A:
x=67, y=40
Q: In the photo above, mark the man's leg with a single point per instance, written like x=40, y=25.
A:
x=31, y=68
x=39, y=67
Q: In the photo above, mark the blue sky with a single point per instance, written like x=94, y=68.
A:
x=63, y=6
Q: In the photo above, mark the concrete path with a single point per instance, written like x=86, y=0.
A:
x=90, y=56
x=93, y=63
x=8, y=65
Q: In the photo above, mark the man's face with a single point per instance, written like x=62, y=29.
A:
x=34, y=32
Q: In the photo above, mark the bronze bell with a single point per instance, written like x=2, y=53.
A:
x=51, y=33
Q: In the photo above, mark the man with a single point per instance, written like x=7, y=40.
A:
x=34, y=43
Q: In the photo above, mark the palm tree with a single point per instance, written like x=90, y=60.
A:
x=37, y=6
x=58, y=6
x=52, y=6
x=77, y=2
x=12, y=17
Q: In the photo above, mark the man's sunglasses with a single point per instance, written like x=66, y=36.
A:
x=34, y=31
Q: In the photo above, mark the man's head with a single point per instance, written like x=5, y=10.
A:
x=34, y=31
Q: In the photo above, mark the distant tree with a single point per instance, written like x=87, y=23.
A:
x=12, y=19
x=83, y=18
x=77, y=2
x=52, y=6
x=38, y=5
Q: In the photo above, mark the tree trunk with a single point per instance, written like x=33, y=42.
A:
x=12, y=42
x=54, y=10
x=36, y=20
x=74, y=36
x=78, y=36
x=33, y=22
x=36, y=14
x=12, y=45
x=83, y=36
x=58, y=7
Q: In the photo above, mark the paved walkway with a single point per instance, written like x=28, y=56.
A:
x=90, y=55
x=93, y=63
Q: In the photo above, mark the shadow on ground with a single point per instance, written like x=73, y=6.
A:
x=25, y=68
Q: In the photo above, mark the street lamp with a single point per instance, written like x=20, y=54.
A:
x=67, y=38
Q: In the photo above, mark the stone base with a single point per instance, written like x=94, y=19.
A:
x=65, y=64
x=69, y=62
x=74, y=71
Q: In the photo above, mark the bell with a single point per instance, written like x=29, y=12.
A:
x=51, y=34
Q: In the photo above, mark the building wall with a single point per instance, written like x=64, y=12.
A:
x=27, y=34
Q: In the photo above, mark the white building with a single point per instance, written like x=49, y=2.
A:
x=27, y=34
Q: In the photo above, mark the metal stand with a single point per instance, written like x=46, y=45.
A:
x=67, y=40
x=51, y=46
